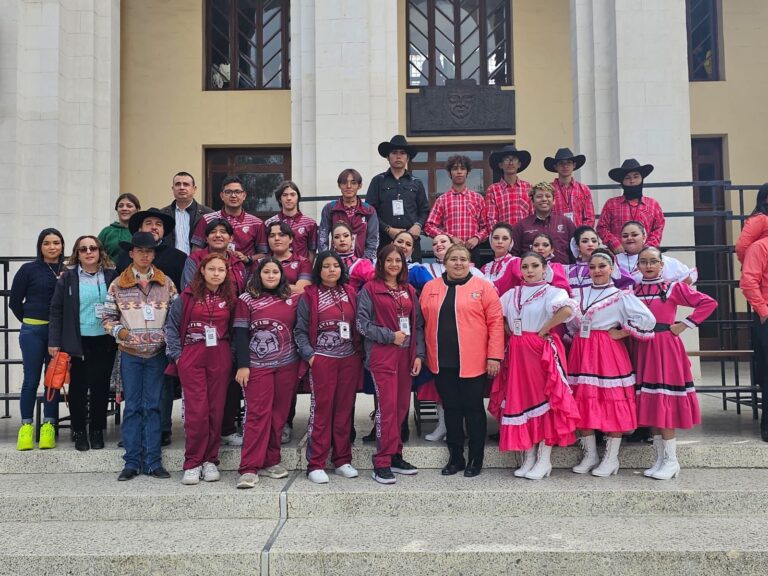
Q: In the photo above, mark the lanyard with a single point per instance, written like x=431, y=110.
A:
x=520, y=303
x=210, y=298
x=397, y=296
x=338, y=302
x=568, y=199
x=606, y=294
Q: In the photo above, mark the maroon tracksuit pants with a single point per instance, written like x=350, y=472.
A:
x=390, y=367
x=204, y=373
x=334, y=383
x=267, y=403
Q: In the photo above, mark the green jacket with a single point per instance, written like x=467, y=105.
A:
x=111, y=236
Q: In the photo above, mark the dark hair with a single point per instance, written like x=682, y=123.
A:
x=255, y=288
x=581, y=229
x=318, y=266
x=226, y=290
x=634, y=223
x=761, y=202
x=506, y=227
x=104, y=260
x=40, y=237
x=543, y=235
x=458, y=160
x=219, y=222
x=231, y=180
x=607, y=252
x=282, y=186
x=342, y=224
x=182, y=173
x=404, y=232
x=402, y=276
x=284, y=228
x=653, y=248
x=536, y=255
x=345, y=174
x=130, y=197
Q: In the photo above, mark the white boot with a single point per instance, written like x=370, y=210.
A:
x=669, y=467
x=543, y=467
x=610, y=463
x=529, y=461
x=439, y=433
x=589, y=458
x=659, y=451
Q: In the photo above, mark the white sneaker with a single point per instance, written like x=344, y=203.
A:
x=248, y=480
x=210, y=472
x=347, y=470
x=318, y=477
x=275, y=472
x=287, y=434
x=192, y=476
x=232, y=440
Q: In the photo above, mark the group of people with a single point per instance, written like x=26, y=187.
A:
x=232, y=308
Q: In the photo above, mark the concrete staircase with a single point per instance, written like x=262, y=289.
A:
x=63, y=512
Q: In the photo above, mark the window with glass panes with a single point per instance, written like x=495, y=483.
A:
x=429, y=166
x=702, y=18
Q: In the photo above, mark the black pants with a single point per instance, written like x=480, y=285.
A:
x=91, y=374
x=463, y=401
x=760, y=345
x=231, y=409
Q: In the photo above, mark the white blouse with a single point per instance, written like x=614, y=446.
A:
x=673, y=270
x=534, y=305
x=608, y=307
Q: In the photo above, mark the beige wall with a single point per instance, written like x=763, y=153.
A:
x=167, y=119
x=736, y=107
x=542, y=78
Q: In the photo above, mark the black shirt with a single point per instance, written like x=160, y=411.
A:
x=447, y=328
x=384, y=188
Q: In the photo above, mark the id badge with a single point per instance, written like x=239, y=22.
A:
x=149, y=313
x=517, y=327
x=344, y=331
x=586, y=329
x=98, y=310
x=398, y=207
x=210, y=336
x=569, y=215
x=231, y=246
x=405, y=326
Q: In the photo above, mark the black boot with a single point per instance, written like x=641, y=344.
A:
x=81, y=441
x=97, y=439
x=405, y=432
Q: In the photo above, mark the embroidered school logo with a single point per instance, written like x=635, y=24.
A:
x=302, y=229
x=222, y=304
x=294, y=265
x=560, y=228
x=246, y=228
x=263, y=343
x=289, y=301
x=475, y=295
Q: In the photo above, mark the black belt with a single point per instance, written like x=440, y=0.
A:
x=661, y=327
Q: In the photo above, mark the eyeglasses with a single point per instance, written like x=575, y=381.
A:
x=232, y=192
x=648, y=262
x=84, y=249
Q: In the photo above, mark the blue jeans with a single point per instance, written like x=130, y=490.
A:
x=33, y=341
x=142, y=385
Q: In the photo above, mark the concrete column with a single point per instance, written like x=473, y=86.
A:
x=344, y=89
x=63, y=128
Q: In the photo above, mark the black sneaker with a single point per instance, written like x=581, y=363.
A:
x=400, y=466
x=97, y=439
x=81, y=441
x=383, y=476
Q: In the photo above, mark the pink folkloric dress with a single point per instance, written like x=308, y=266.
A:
x=599, y=370
x=531, y=397
x=666, y=397
x=673, y=270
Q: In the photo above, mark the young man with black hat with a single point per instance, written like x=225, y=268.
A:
x=572, y=199
x=134, y=314
x=508, y=200
x=632, y=205
x=399, y=197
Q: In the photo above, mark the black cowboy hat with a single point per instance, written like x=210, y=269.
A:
x=564, y=154
x=398, y=142
x=509, y=150
x=141, y=240
x=138, y=219
x=629, y=165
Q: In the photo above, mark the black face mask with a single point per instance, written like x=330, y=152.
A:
x=633, y=192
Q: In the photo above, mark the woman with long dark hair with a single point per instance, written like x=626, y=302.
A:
x=77, y=310
x=198, y=334
x=30, y=301
x=267, y=368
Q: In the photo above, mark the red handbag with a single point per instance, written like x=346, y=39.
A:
x=57, y=375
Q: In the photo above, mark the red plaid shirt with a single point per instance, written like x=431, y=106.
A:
x=618, y=211
x=505, y=203
x=574, y=201
x=304, y=232
x=460, y=214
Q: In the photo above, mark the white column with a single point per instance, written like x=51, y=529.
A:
x=344, y=90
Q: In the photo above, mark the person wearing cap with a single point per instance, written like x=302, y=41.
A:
x=304, y=228
x=398, y=196
x=572, y=198
x=459, y=212
x=559, y=227
x=508, y=199
x=249, y=241
x=135, y=310
x=185, y=211
x=632, y=205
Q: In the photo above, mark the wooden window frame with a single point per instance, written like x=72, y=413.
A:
x=715, y=11
x=234, y=52
x=482, y=47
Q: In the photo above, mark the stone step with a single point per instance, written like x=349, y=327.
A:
x=703, y=452
x=603, y=546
